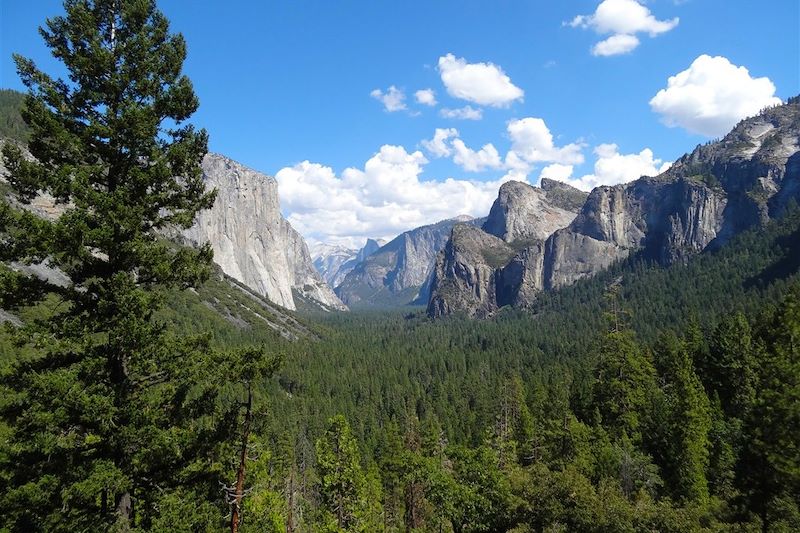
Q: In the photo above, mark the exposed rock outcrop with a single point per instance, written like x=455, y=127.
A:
x=330, y=260
x=335, y=262
x=524, y=213
x=466, y=273
x=706, y=197
x=252, y=242
x=396, y=273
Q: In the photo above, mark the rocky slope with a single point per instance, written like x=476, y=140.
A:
x=481, y=270
x=524, y=213
x=395, y=274
x=335, y=262
x=706, y=197
x=466, y=275
x=252, y=241
x=329, y=260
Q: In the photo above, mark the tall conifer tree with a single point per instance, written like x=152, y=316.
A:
x=101, y=418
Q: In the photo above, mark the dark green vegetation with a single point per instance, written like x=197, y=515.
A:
x=537, y=420
x=11, y=124
x=643, y=427
x=112, y=420
x=644, y=399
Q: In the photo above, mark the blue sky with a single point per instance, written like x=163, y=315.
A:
x=286, y=87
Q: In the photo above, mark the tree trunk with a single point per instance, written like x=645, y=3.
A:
x=124, y=511
x=290, y=503
x=239, y=494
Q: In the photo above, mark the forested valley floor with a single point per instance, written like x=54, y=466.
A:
x=644, y=399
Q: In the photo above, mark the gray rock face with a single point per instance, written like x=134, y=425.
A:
x=331, y=260
x=369, y=248
x=252, y=242
x=466, y=274
x=705, y=198
x=522, y=278
x=395, y=274
x=524, y=213
x=335, y=262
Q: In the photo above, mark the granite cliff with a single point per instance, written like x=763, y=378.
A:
x=481, y=270
x=334, y=262
x=707, y=196
x=397, y=272
x=252, y=242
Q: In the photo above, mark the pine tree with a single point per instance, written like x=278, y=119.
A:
x=688, y=421
x=342, y=479
x=102, y=416
x=769, y=470
x=625, y=378
x=729, y=367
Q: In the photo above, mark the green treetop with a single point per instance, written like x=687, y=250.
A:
x=100, y=416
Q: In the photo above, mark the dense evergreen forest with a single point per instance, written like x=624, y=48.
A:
x=154, y=394
x=11, y=124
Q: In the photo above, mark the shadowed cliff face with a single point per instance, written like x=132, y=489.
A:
x=397, y=272
x=252, y=242
x=465, y=276
x=524, y=213
x=706, y=197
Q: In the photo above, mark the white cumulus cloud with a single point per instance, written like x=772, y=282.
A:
x=393, y=99
x=557, y=171
x=610, y=168
x=382, y=199
x=480, y=83
x=462, y=113
x=532, y=142
x=476, y=161
x=621, y=43
x=426, y=97
x=439, y=145
x=623, y=19
x=711, y=96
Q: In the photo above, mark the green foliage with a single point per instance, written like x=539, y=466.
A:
x=343, y=484
x=11, y=124
x=625, y=380
x=115, y=421
x=687, y=422
x=770, y=467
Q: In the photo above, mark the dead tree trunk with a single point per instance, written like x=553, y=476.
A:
x=238, y=494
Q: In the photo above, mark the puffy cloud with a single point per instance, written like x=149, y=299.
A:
x=557, y=171
x=476, y=161
x=439, y=145
x=621, y=43
x=426, y=97
x=382, y=199
x=711, y=96
x=532, y=142
x=462, y=113
x=623, y=19
x=445, y=142
x=610, y=168
x=393, y=99
x=480, y=83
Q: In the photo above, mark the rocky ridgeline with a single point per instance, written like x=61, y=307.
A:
x=483, y=269
x=335, y=262
x=252, y=242
x=706, y=197
x=397, y=273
